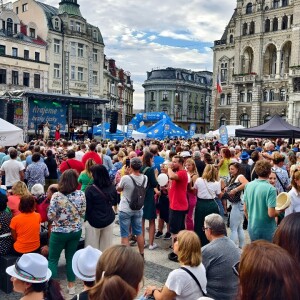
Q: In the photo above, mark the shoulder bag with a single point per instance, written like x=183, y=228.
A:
x=194, y=277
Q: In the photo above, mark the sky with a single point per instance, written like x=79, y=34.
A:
x=146, y=35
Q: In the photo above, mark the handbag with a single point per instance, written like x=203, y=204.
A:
x=194, y=277
x=237, y=196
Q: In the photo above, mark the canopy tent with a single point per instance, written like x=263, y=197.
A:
x=274, y=128
x=10, y=135
x=165, y=128
x=230, y=129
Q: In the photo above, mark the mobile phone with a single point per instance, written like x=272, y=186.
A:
x=127, y=162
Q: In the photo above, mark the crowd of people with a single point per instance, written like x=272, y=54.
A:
x=51, y=191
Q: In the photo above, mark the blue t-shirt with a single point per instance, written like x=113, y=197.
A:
x=157, y=161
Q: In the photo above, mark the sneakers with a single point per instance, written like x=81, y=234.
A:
x=158, y=234
x=146, y=245
x=173, y=257
x=71, y=290
x=152, y=247
x=167, y=236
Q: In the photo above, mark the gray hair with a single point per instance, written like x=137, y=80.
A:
x=37, y=190
x=216, y=223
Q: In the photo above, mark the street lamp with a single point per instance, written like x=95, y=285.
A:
x=122, y=105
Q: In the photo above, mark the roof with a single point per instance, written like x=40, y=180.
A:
x=70, y=8
x=225, y=34
x=50, y=12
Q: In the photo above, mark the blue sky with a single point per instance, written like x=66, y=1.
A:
x=145, y=35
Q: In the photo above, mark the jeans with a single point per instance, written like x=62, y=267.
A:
x=58, y=242
x=221, y=208
x=236, y=224
x=133, y=219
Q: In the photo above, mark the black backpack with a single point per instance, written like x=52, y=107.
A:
x=138, y=195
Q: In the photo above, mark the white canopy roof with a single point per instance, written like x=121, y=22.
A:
x=10, y=134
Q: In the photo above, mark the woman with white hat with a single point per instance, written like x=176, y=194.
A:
x=84, y=264
x=31, y=277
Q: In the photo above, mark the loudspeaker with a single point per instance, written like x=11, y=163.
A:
x=113, y=122
x=10, y=112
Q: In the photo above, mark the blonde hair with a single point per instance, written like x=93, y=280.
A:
x=20, y=189
x=210, y=173
x=192, y=162
x=89, y=163
x=189, y=248
x=295, y=176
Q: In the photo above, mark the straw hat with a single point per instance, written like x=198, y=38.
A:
x=283, y=201
x=84, y=263
x=30, y=267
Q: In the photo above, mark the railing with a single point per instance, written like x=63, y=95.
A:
x=220, y=42
x=244, y=77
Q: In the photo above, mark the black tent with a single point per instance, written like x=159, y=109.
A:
x=274, y=128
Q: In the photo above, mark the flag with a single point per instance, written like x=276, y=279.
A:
x=219, y=87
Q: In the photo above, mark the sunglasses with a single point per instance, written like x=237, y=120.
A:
x=235, y=269
x=21, y=272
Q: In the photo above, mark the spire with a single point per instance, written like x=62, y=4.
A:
x=70, y=7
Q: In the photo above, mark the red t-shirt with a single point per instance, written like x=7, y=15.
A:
x=177, y=193
x=91, y=154
x=72, y=164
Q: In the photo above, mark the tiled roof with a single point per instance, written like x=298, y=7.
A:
x=50, y=11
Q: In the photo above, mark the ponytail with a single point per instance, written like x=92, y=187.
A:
x=53, y=291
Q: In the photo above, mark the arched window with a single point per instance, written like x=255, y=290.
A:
x=222, y=99
x=247, y=60
x=231, y=39
x=9, y=26
x=222, y=121
x=252, y=28
x=245, y=28
x=282, y=95
x=270, y=60
x=228, y=99
x=265, y=95
x=285, y=3
x=272, y=95
x=284, y=24
x=249, y=96
x=285, y=58
x=276, y=3
x=245, y=120
x=267, y=25
x=275, y=24
x=266, y=8
x=196, y=112
x=249, y=8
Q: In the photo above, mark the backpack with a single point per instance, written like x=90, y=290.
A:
x=138, y=195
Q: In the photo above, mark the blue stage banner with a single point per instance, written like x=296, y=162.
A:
x=192, y=130
x=129, y=130
x=42, y=112
x=223, y=135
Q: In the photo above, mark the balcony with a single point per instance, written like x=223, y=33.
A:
x=244, y=78
x=220, y=42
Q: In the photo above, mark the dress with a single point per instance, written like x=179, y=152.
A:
x=57, y=133
x=149, y=210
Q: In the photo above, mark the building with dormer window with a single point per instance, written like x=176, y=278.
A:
x=257, y=59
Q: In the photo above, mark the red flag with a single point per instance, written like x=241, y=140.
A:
x=219, y=87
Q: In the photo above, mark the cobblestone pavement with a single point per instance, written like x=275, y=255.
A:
x=157, y=267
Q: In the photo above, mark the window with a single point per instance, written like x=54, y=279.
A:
x=152, y=96
x=72, y=25
x=26, y=77
x=72, y=72
x=73, y=48
x=249, y=8
x=15, y=77
x=265, y=96
x=166, y=94
x=267, y=25
x=291, y=20
x=15, y=52
x=2, y=76
x=282, y=95
x=245, y=120
x=56, y=24
x=17, y=10
x=242, y=97
x=2, y=50
x=56, y=70
x=32, y=32
x=222, y=121
x=228, y=99
x=222, y=100
x=223, y=72
x=15, y=28
x=245, y=28
x=252, y=28
x=231, y=39
x=95, y=78
x=24, y=7
x=56, y=46
x=26, y=54
x=284, y=24
x=37, y=56
x=80, y=50
x=78, y=27
x=80, y=73
x=272, y=95
x=9, y=24
x=249, y=97
x=95, y=35
x=95, y=55
x=275, y=3
x=275, y=24
x=285, y=3
x=37, y=81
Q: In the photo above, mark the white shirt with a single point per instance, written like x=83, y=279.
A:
x=185, y=287
x=207, y=190
x=12, y=170
x=79, y=155
x=295, y=202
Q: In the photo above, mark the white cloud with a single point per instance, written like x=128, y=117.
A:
x=132, y=31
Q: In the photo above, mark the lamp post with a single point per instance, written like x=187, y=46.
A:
x=122, y=105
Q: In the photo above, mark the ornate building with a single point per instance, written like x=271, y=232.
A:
x=258, y=63
x=184, y=95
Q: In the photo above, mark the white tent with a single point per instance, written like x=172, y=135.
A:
x=230, y=129
x=10, y=135
x=138, y=135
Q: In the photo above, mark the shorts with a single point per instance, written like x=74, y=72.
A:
x=177, y=220
x=133, y=218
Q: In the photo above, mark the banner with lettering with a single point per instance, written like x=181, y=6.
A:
x=223, y=135
x=41, y=112
x=192, y=130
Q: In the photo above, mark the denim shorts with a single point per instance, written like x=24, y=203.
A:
x=134, y=219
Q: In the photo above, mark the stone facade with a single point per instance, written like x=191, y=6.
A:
x=184, y=95
x=258, y=63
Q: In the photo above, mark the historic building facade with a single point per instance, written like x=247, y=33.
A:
x=22, y=58
x=184, y=95
x=257, y=62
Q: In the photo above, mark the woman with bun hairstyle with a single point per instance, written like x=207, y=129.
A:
x=118, y=274
x=267, y=272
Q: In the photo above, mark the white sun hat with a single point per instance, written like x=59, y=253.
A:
x=283, y=201
x=30, y=267
x=84, y=263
